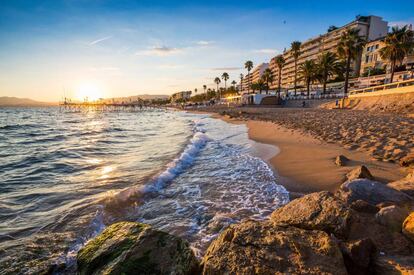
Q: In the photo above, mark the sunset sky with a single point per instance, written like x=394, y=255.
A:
x=121, y=48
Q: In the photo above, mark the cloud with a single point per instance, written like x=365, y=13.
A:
x=266, y=51
x=160, y=51
x=226, y=69
x=99, y=40
x=401, y=23
x=204, y=42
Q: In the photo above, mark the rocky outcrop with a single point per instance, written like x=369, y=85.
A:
x=264, y=248
x=358, y=256
x=360, y=172
x=316, y=211
x=135, y=248
x=392, y=217
x=341, y=160
x=364, y=207
x=407, y=161
x=408, y=227
x=371, y=192
x=405, y=185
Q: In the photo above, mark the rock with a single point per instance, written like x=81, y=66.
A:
x=341, y=160
x=360, y=172
x=370, y=191
x=408, y=227
x=320, y=211
x=392, y=217
x=365, y=226
x=390, y=265
x=135, y=248
x=358, y=256
x=262, y=248
x=408, y=160
x=405, y=185
x=363, y=206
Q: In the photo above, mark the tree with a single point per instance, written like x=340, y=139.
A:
x=349, y=47
x=217, y=81
x=204, y=88
x=267, y=78
x=249, y=66
x=328, y=66
x=332, y=28
x=195, y=91
x=241, y=82
x=280, y=62
x=234, y=84
x=225, y=77
x=398, y=43
x=309, y=73
x=295, y=47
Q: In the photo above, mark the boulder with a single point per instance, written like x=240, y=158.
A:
x=135, y=248
x=393, y=265
x=405, y=185
x=320, y=211
x=365, y=226
x=360, y=172
x=370, y=191
x=408, y=227
x=364, y=207
x=408, y=160
x=255, y=247
x=358, y=256
x=392, y=217
x=341, y=160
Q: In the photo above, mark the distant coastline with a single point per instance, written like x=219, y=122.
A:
x=6, y=101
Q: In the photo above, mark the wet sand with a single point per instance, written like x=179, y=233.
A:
x=305, y=163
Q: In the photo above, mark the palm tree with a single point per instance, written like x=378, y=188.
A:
x=195, y=91
x=225, y=77
x=241, y=81
x=267, y=78
x=217, y=81
x=295, y=47
x=234, y=84
x=349, y=47
x=328, y=65
x=308, y=71
x=204, y=88
x=280, y=62
x=398, y=44
x=248, y=65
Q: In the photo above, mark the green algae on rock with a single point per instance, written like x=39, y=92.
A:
x=136, y=248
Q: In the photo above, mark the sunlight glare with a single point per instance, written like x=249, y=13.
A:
x=88, y=92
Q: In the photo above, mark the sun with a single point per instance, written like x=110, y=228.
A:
x=88, y=92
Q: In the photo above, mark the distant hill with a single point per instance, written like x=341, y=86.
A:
x=16, y=101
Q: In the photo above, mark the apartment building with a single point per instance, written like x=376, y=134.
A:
x=371, y=28
x=371, y=59
x=254, y=76
x=184, y=95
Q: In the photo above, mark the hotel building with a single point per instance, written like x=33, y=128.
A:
x=371, y=28
x=254, y=76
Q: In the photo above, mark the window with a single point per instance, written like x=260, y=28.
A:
x=366, y=58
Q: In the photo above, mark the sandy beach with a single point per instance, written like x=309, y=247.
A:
x=306, y=161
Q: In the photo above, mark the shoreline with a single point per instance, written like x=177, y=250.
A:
x=305, y=164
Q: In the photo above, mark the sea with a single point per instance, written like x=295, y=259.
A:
x=67, y=174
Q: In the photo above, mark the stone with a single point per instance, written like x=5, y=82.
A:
x=341, y=160
x=254, y=247
x=365, y=226
x=392, y=217
x=408, y=227
x=393, y=265
x=407, y=161
x=360, y=172
x=364, y=207
x=319, y=211
x=370, y=191
x=136, y=248
x=358, y=255
x=405, y=185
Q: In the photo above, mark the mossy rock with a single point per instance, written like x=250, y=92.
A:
x=136, y=248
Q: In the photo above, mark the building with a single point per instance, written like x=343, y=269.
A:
x=253, y=77
x=371, y=28
x=180, y=96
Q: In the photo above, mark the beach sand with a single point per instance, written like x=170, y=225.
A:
x=305, y=164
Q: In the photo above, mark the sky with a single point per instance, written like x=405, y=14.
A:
x=51, y=49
